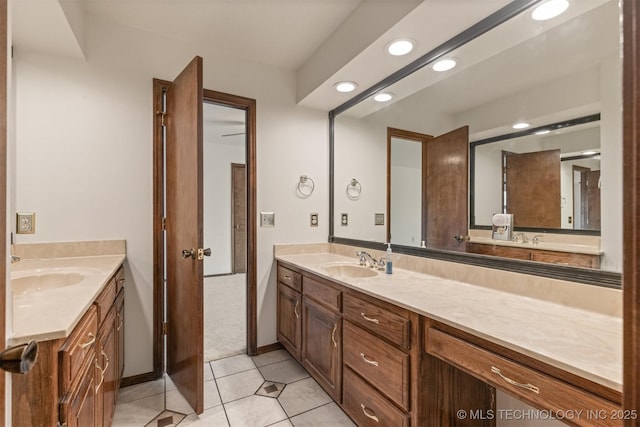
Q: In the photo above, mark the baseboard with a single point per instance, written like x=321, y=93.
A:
x=140, y=378
x=268, y=348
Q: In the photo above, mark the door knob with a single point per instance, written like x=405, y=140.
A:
x=462, y=238
x=20, y=358
x=188, y=253
x=203, y=253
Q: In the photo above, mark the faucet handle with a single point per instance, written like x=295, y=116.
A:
x=536, y=238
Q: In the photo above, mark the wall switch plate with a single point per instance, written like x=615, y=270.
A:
x=267, y=219
x=25, y=223
x=344, y=219
x=314, y=219
x=379, y=218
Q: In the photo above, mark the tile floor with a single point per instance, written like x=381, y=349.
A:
x=240, y=391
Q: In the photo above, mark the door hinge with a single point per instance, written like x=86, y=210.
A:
x=164, y=223
x=162, y=115
x=165, y=328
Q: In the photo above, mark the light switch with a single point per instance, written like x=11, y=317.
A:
x=314, y=219
x=344, y=219
x=267, y=219
x=379, y=219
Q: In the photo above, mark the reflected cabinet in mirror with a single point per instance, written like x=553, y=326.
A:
x=527, y=123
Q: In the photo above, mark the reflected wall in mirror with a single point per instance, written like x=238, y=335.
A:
x=521, y=70
x=547, y=178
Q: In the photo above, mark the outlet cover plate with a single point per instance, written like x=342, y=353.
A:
x=344, y=219
x=267, y=219
x=25, y=223
x=379, y=219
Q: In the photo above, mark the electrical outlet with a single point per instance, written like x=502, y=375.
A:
x=379, y=219
x=314, y=219
x=26, y=223
x=344, y=219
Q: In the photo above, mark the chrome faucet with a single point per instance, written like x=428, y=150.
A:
x=15, y=258
x=366, y=258
x=523, y=237
x=536, y=238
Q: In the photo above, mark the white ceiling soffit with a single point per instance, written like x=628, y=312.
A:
x=54, y=27
x=430, y=24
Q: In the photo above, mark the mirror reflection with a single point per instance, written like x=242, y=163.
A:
x=538, y=73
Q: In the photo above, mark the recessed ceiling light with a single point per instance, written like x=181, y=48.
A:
x=444, y=64
x=549, y=9
x=589, y=153
x=542, y=132
x=383, y=97
x=521, y=125
x=400, y=47
x=345, y=86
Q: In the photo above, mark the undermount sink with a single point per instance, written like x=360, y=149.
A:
x=34, y=281
x=350, y=270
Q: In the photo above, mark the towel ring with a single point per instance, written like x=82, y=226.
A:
x=354, y=189
x=305, y=187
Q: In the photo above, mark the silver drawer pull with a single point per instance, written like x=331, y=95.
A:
x=367, y=360
x=527, y=386
x=366, y=410
x=295, y=309
x=91, y=341
x=287, y=277
x=106, y=358
x=99, y=368
x=369, y=319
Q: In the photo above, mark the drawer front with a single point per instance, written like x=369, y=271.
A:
x=379, y=320
x=323, y=293
x=566, y=258
x=78, y=347
x=532, y=386
x=105, y=299
x=367, y=407
x=119, y=280
x=290, y=278
x=382, y=365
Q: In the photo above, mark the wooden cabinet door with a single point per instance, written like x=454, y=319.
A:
x=322, y=346
x=289, y=320
x=119, y=339
x=79, y=407
x=107, y=361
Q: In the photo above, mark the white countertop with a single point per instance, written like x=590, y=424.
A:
x=53, y=314
x=581, y=342
x=542, y=245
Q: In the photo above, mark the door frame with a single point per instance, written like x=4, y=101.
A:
x=228, y=100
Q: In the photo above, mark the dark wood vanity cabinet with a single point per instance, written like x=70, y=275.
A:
x=76, y=379
x=289, y=320
x=534, y=254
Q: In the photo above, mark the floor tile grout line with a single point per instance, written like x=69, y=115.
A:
x=224, y=408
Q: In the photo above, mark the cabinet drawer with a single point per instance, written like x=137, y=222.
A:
x=383, y=322
x=566, y=258
x=119, y=280
x=381, y=364
x=78, y=347
x=105, y=299
x=290, y=278
x=532, y=386
x=322, y=293
x=367, y=407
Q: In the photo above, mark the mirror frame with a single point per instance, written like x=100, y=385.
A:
x=588, y=276
x=472, y=169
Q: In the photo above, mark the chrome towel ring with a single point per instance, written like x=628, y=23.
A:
x=354, y=189
x=305, y=187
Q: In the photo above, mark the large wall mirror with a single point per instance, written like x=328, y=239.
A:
x=562, y=77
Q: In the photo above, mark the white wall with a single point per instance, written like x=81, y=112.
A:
x=84, y=156
x=218, y=156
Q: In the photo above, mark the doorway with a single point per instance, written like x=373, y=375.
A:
x=248, y=107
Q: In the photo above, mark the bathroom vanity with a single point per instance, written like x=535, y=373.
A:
x=411, y=349
x=79, y=326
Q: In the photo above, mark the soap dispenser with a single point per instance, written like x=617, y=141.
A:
x=389, y=263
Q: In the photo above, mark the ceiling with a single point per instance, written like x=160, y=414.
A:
x=323, y=40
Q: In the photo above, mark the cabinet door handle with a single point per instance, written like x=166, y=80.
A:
x=99, y=368
x=367, y=360
x=295, y=309
x=287, y=277
x=366, y=410
x=526, y=386
x=106, y=358
x=333, y=336
x=92, y=340
x=121, y=320
x=369, y=319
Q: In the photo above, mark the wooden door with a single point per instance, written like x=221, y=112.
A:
x=289, y=323
x=447, y=186
x=184, y=207
x=239, y=203
x=321, y=346
x=591, y=195
x=532, y=183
